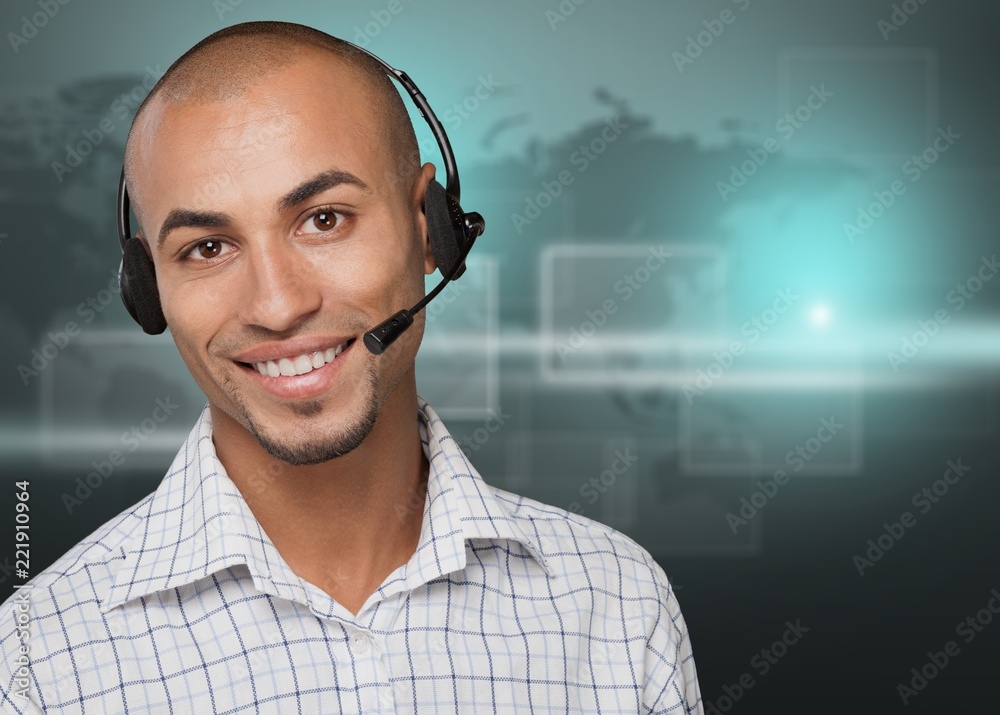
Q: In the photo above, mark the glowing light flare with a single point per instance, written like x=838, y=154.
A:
x=820, y=315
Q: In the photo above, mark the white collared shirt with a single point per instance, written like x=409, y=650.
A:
x=181, y=604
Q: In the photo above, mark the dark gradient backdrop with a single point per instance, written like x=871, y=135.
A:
x=752, y=244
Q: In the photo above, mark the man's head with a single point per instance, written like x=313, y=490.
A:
x=277, y=184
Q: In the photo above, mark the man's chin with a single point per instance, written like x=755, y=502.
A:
x=306, y=408
x=305, y=441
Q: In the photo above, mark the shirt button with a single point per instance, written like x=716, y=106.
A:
x=360, y=642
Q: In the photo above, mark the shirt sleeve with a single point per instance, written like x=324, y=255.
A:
x=671, y=682
x=16, y=678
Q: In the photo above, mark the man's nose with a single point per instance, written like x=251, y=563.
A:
x=279, y=288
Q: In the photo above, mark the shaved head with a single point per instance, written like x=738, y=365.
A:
x=227, y=64
x=276, y=178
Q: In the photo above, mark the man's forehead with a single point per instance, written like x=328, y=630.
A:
x=286, y=117
x=314, y=88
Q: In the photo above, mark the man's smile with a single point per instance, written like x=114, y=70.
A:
x=299, y=365
x=296, y=369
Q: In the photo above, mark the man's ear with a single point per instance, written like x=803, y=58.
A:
x=424, y=178
x=145, y=243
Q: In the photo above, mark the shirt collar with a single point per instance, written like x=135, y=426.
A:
x=197, y=523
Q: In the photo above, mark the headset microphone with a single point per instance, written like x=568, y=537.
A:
x=450, y=230
x=381, y=337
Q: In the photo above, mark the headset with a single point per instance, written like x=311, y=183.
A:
x=451, y=232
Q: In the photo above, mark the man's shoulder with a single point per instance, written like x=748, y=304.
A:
x=614, y=586
x=88, y=568
x=565, y=537
x=62, y=602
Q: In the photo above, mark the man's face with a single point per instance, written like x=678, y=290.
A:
x=294, y=233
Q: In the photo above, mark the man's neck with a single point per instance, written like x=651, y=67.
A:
x=346, y=524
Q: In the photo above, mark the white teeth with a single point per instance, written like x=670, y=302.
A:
x=299, y=365
x=303, y=364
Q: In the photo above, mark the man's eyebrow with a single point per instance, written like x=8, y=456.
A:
x=186, y=218
x=318, y=184
x=183, y=218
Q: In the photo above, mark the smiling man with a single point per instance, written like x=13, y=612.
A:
x=320, y=543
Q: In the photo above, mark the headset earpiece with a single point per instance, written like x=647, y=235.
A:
x=137, y=279
x=445, y=228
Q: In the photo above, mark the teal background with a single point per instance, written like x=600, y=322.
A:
x=496, y=340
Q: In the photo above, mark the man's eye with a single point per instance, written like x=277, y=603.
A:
x=207, y=250
x=322, y=221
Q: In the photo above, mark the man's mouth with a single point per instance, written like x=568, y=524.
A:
x=303, y=364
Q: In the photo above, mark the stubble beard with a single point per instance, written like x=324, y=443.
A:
x=286, y=448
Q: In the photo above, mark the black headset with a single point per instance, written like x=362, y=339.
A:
x=451, y=232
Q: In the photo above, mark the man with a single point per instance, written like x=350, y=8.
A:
x=320, y=544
